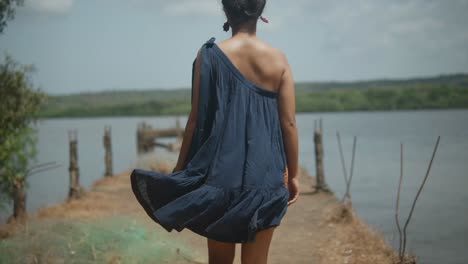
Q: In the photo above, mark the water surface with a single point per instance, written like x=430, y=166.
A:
x=438, y=232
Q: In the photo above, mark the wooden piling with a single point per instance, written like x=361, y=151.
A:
x=147, y=137
x=108, y=149
x=318, y=143
x=141, y=138
x=19, y=200
x=138, y=138
x=75, y=189
x=179, y=130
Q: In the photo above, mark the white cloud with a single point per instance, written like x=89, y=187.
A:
x=50, y=6
x=192, y=7
x=178, y=8
x=377, y=23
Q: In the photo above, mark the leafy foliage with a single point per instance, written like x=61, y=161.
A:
x=383, y=99
x=440, y=92
x=7, y=11
x=19, y=102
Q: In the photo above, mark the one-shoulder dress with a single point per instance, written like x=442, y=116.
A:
x=233, y=184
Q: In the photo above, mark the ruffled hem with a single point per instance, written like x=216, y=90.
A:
x=231, y=215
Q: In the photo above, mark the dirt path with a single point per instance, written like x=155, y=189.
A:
x=317, y=229
x=298, y=235
x=306, y=234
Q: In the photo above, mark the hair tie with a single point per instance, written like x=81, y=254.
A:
x=226, y=26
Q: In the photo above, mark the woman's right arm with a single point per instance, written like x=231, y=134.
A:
x=287, y=112
x=192, y=119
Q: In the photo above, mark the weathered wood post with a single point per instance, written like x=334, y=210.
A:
x=19, y=190
x=19, y=199
x=179, y=130
x=108, y=149
x=75, y=188
x=144, y=138
x=318, y=143
x=151, y=140
x=140, y=142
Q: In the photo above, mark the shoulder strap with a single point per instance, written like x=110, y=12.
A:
x=210, y=41
x=206, y=100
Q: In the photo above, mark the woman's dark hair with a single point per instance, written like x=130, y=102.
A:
x=242, y=11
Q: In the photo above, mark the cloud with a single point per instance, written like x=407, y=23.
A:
x=192, y=7
x=365, y=24
x=181, y=8
x=50, y=6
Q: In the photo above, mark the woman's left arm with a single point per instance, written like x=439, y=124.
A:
x=192, y=120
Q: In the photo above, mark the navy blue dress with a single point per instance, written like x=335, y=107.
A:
x=233, y=184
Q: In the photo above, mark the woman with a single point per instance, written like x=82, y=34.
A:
x=231, y=180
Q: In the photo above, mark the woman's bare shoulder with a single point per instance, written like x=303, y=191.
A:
x=273, y=55
x=268, y=48
x=255, y=45
x=257, y=60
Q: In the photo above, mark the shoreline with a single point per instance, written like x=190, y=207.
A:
x=315, y=221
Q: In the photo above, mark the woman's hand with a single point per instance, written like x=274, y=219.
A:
x=293, y=187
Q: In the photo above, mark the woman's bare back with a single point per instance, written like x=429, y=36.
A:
x=269, y=68
x=259, y=62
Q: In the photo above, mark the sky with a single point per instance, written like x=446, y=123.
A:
x=97, y=45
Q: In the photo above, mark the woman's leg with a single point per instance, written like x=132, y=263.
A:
x=220, y=252
x=256, y=252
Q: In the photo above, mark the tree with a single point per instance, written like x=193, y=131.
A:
x=19, y=103
x=7, y=11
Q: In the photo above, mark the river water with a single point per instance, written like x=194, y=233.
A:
x=438, y=232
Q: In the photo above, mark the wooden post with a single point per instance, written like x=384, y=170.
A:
x=108, y=149
x=75, y=188
x=140, y=142
x=318, y=143
x=150, y=139
x=19, y=200
x=179, y=130
x=147, y=137
x=144, y=138
x=141, y=138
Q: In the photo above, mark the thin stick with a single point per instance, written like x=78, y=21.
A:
x=36, y=166
x=417, y=195
x=44, y=169
x=40, y=167
x=345, y=173
x=398, y=204
x=348, y=185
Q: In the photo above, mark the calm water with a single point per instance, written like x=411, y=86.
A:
x=438, y=232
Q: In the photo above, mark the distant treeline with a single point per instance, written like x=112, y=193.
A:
x=442, y=92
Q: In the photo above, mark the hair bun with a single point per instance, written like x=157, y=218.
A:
x=242, y=10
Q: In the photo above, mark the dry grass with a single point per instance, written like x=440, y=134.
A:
x=11, y=228
x=103, y=226
x=340, y=214
x=152, y=162
x=101, y=201
x=351, y=241
x=346, y=239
